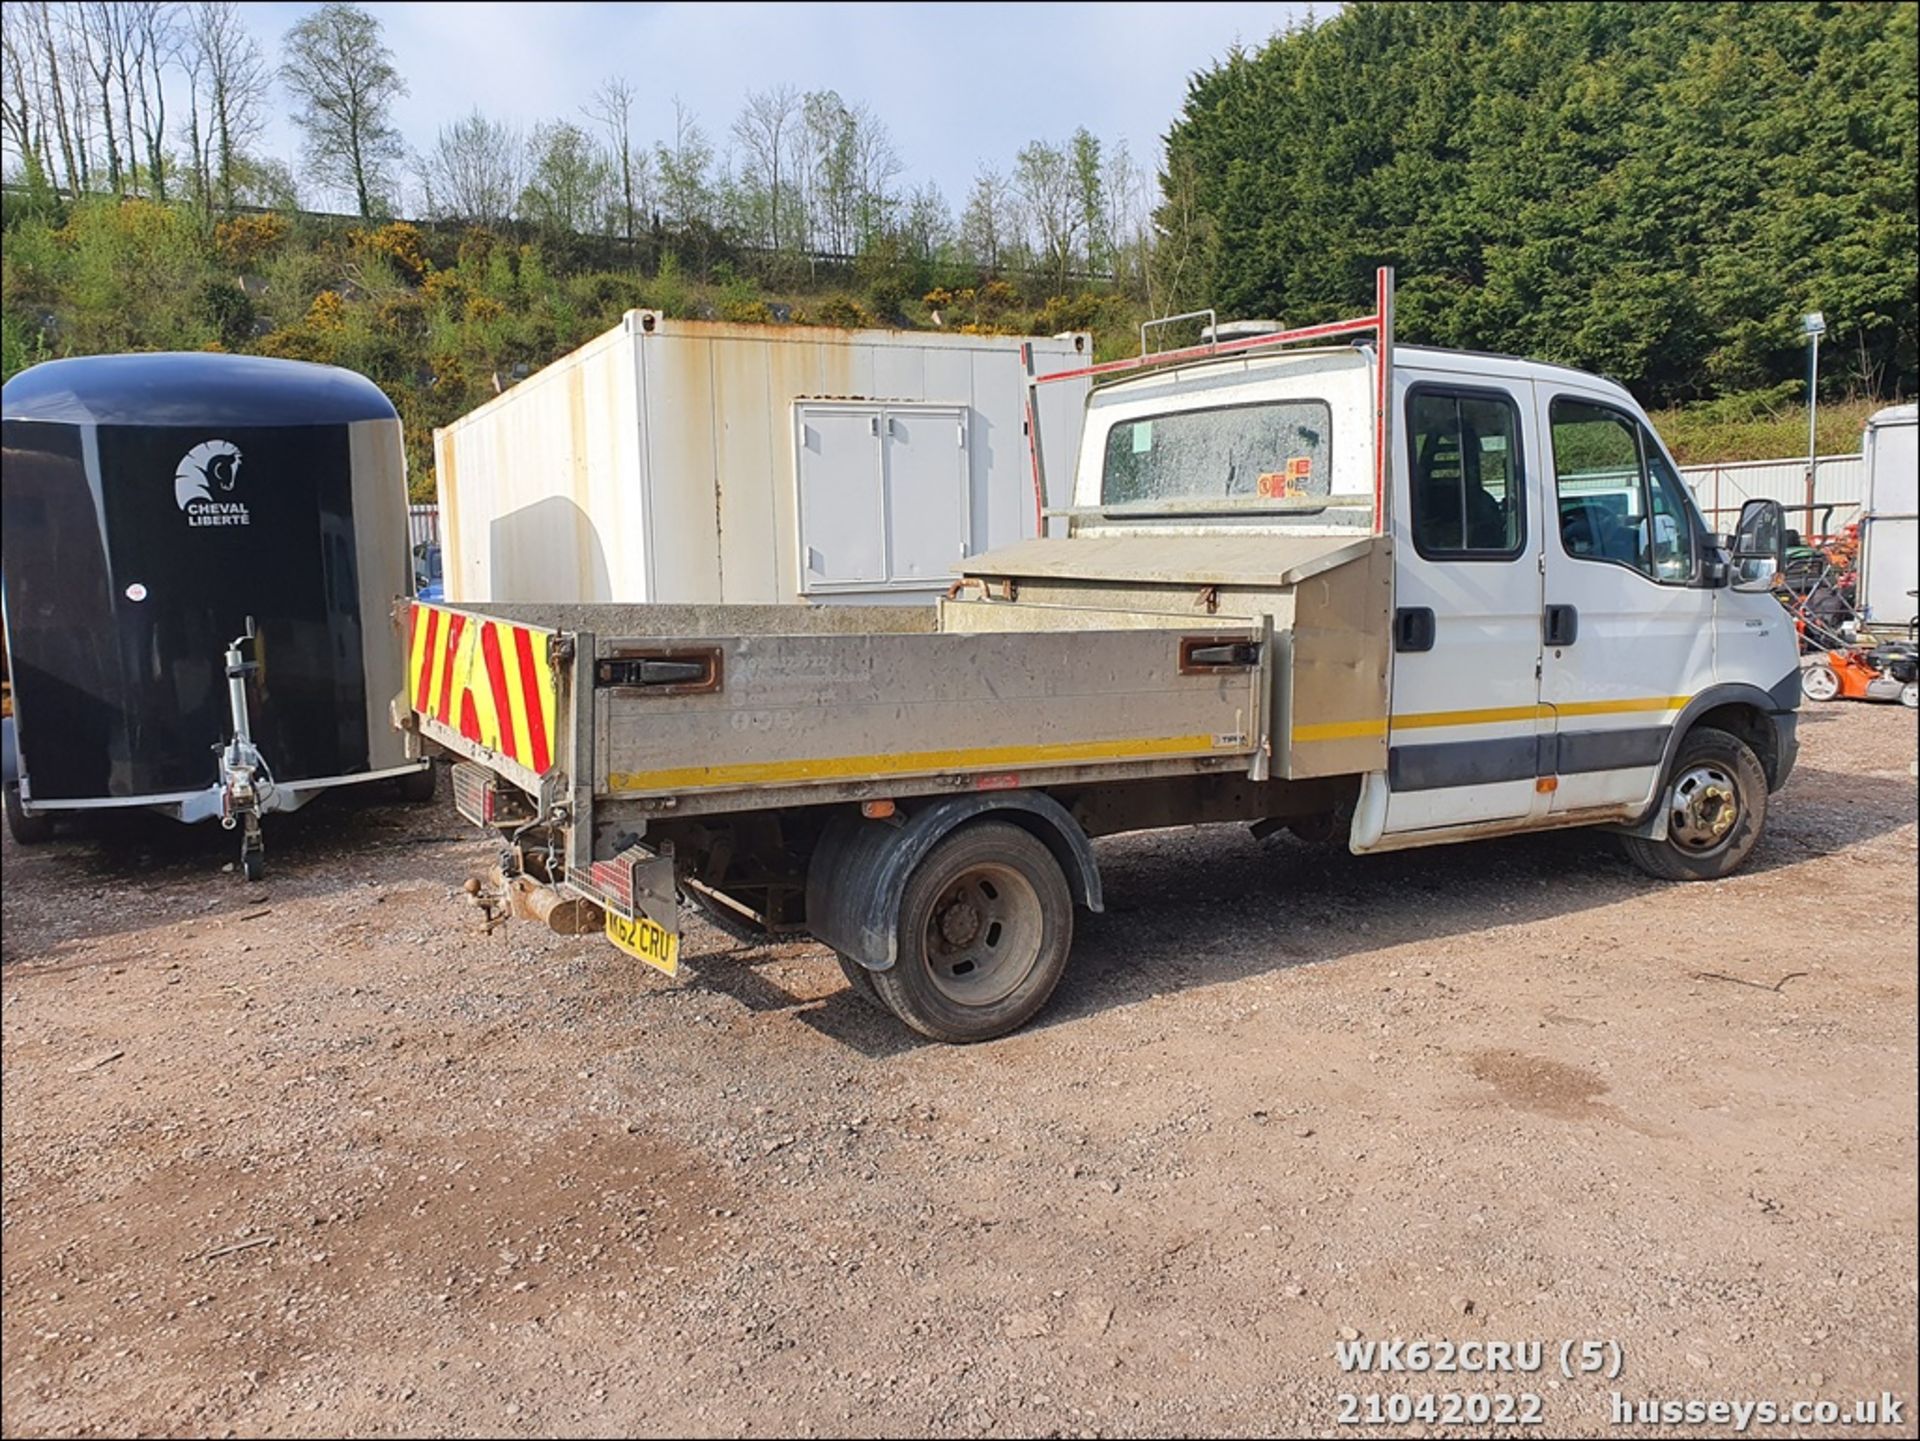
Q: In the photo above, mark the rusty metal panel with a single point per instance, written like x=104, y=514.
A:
x=538, y=487
x=658, y=461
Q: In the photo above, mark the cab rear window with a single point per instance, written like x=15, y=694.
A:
x=1276, y=450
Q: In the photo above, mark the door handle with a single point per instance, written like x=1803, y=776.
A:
x=1413, y=628
x=1562, y=625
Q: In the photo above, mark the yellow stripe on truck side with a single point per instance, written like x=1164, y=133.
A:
x=907, y=763
x=1434, y=720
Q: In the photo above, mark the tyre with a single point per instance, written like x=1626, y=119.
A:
x=416, y=787
x=1818, y=682
x=1910, y=695
x=253, y=863
x=984, y=929
x=1716, y=800
x=26, y=830
x=860, y=981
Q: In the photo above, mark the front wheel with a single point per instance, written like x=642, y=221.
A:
x=1910, y=695
x=1716, y=804
x=984, y=928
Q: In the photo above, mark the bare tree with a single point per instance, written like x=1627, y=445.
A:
x=474, y=171
x=929, y=224
x=1185, y=238
x=987, y=225
x=1090, y=198
x=611, y=107
x=1043, y=176
x=876, y=165
x=343, y=76
x=826, y=172
x=154, y=48
x=764, y=130
x=567, y=177
x=97, y=33
x=686, y=190
x=227, y=96
x=22, y=86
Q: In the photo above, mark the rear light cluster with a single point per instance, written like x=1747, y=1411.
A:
x=486, y=800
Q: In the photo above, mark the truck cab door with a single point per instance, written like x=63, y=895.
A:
x=1629, y=623
x=1465, y=724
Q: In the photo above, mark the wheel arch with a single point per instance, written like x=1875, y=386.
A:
x=1764, y=719
x=859, y=871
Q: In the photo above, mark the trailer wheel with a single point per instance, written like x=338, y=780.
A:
x=26, y=830
x=416, y=787
x=253, y=863
x=985, y=924
x=860, y=981
x=1716, y=800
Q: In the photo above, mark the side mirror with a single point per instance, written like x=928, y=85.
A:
x=1759, y=548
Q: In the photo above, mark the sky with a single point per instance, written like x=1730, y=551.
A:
x=959, y=86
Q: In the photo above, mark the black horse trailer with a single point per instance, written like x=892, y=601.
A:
x=200, y=556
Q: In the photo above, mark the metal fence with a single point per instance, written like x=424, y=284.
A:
x=1839, y=488
x=423, y=525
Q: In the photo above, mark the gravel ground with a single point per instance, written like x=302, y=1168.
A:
x=319, y=1157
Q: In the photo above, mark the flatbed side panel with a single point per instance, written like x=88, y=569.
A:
x=1335, y=687
x=486, y=689
x=798, y=711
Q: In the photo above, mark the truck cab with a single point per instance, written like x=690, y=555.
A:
x=1561, y=615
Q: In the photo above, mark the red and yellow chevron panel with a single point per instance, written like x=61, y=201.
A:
x=487, y=679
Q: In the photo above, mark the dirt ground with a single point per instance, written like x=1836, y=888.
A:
x=317, y=1156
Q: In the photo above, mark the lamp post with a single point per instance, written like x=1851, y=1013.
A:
x=1812, y=325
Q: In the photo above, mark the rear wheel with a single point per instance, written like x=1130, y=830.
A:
x=1716, y=804
x=1818, y=682
x=26, y=830
x=860, y=981
x=984, y=929
x=1910, y=695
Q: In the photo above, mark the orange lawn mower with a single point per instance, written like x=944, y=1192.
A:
x=1887, y=671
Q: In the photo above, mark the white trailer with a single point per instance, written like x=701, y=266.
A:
x=1890, y=519
x=697, y=462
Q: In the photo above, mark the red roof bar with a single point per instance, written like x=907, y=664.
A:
x=1205, y=352
x=1380, y=324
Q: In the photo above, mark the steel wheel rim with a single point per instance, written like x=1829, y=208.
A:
x=1820, y=683
x=1703, y=809
x=983, y=935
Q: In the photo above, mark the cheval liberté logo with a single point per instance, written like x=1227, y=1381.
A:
x=203, y=478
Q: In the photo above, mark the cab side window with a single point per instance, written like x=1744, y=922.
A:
x=1619, y=500
x=1469, y=500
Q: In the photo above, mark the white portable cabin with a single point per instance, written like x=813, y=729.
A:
x=1890, y=517
x=701, y=462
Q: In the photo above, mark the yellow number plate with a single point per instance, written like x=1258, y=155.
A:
x=645, y=941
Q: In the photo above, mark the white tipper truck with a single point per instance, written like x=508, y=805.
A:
x=1398, y=596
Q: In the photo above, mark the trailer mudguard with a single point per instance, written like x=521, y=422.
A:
x=859, y=871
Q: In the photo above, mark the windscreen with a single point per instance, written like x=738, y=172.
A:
x=1278, y=450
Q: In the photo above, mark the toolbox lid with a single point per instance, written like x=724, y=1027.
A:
x=192, y=388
